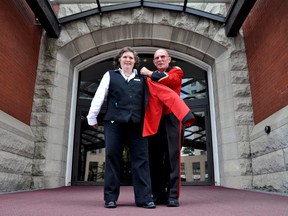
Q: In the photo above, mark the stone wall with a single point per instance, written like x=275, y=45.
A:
x=269, y=152
x=50, y=118
x=191, y=37
x=16, y=154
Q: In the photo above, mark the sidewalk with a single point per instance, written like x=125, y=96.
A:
x=194, y=201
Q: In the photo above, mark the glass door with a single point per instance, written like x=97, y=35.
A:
x=89, y=143
x=196, y=157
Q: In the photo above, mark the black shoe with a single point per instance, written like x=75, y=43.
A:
x=111, y=204
x=147, y=205
x=173, y=203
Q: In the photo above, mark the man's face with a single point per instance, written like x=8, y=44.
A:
x=161, y=60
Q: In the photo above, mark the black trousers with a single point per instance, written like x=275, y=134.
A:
x=164, y=158
x=116, y=136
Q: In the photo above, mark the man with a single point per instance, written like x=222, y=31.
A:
x=165, y=145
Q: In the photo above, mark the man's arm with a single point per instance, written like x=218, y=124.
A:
x=172, y=78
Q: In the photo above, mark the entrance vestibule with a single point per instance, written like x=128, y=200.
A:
x=89, y=143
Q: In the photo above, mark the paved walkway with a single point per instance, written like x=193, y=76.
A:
x=194, y=201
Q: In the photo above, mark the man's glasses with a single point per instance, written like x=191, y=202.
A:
x=160, y=57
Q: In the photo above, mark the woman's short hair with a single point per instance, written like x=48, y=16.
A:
x=116, y=61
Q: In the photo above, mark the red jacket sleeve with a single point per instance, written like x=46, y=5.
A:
x=161, y=97
x=172, y=78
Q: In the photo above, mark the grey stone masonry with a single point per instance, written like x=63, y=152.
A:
x=270, y=153
x=187, y=34
x=16, y=154
x=244, y=154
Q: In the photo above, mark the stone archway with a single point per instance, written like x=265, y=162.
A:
x=80, y=41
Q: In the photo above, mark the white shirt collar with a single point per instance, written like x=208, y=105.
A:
x=132, y=76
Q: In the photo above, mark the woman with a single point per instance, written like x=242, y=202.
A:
x=123, y=121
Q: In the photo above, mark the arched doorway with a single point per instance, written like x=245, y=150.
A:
x=89, y=144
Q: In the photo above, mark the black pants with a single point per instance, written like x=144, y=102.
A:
x=116, y=135
x=164, y=157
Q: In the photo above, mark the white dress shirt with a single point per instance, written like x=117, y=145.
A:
x=101, y=95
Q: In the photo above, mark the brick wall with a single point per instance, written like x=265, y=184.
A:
x=19, y=42
x=266, y=41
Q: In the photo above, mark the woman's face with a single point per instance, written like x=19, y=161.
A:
x=127, y=61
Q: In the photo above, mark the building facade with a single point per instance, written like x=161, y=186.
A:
x=246, y=77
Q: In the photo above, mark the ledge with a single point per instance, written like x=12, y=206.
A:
x=275, y=121
x=15, y=126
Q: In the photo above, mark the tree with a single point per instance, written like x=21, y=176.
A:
x=188, y=151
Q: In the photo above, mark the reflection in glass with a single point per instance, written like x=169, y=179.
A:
x=91, y=161
x=70, y=7
x=194, y=152
x=92, y=152
x=193, y=89
x=220, y=7
x=87, y=90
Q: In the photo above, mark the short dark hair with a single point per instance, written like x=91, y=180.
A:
x=116, y=61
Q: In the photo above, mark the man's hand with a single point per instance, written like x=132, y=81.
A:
x=146, y=72
x=95, y=126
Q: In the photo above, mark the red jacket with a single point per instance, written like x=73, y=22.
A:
x=163, y=99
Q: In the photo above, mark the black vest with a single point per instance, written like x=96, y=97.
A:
x=125, y=100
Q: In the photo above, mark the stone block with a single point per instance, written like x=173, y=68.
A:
x=229, y=151
x=12, y=163
x=142, y=15
x=88, y=53
x=15, y=144
x=238, y=60
x=186, y=21
x=63, y=38
x=164, y=17
x=276, y=140
x=38, y=167
x=77, y=28
x=97, y=22
x=84, y=43
x=162, y=32
x=69, y=51
x=231, y=167
x=243, y=133
x=142, y=31
x=245, y=166
x=243, y=104
x=272, y=182
x=207, y=28
x=229, y=135
x=244, y=118
x=40, y=150
x=239, y=77
x=269, y=163
x=121, y=18
x=68, y=9
x=286, y=157
x=243, y=149
x=14, y=182
x=241, y=90
x=239, y=182
x=215, y=50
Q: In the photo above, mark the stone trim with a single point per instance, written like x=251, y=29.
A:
x=203, y=40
